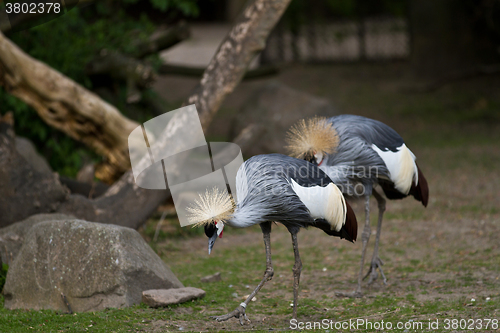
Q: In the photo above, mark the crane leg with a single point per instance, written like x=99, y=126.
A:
x=297, y=269
x=239, y=312
x=365, y=236
x=376, y=261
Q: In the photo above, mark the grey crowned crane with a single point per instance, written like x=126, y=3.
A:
x=357, y=153
x=282, y=189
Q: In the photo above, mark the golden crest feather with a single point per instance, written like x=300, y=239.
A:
x=311, y=136
x=213, y=205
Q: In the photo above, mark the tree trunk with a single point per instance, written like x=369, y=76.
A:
x=226, y=69
x=125, y=203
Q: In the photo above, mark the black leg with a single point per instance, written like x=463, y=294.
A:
x=239, y=312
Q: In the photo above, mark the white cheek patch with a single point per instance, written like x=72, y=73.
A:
x=220, y=228
x=319, y=157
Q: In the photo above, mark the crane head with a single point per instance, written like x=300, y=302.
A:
x=213, y=231
x=312, y=139
x=314, y=157
x=211, y=210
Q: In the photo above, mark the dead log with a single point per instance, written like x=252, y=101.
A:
x=67, y=106
x=121, y=67
x=129, y=68
x=137, y=74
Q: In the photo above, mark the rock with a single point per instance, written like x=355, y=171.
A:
x=23, y=190
x=211, y=278
x=92, y=190
x=12, y=237
x=163, y=297
x=86, y=173
x=96, y=266
x=276, y=107
x=27, y=149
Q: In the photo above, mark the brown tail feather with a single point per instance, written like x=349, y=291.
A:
x=349, y=230
x=421, y=191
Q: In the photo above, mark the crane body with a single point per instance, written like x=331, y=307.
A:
x=278, y=188
x=358, y=153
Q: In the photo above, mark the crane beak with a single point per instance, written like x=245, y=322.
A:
x=211, y=242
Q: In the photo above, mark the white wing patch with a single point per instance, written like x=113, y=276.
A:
x=401, y=166
x=323, y=203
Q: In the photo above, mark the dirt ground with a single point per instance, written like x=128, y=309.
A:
x=442, y=261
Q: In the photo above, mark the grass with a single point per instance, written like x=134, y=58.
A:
x=436, y=259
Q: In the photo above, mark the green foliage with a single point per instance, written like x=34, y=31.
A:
x=3, y=275
x=67, y=44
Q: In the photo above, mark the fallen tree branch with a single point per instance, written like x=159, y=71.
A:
x=137, y=74
x=129, y=68
x=121, y=67
x=67, y=106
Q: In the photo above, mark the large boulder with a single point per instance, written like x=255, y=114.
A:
x=88, y=266
x=275, y=108
x=23, y=190
x=12, y=237
x=27, y=149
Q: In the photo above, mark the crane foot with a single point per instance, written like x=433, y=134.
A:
x=373, y=273
x=238, y=313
